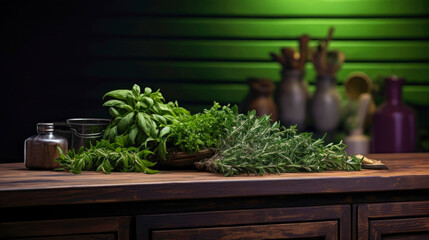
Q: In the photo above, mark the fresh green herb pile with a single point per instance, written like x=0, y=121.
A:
x=144, y=126
x=192, y=133
x=252, y=145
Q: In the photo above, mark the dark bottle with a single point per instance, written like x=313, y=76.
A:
x=261, y=97
x=393, y=129
x=293, y=98
x=41, y=149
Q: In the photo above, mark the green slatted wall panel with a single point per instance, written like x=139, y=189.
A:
x=198, y=51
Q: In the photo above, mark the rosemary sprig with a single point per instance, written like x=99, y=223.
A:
x=252, y=145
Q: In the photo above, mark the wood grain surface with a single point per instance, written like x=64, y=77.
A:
x=22, y=187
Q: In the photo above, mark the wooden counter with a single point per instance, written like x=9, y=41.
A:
x=184, y=192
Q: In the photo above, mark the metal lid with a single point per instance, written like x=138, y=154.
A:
x=45, y=127
x=88, y=121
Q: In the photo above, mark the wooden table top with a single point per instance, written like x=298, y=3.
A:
x=22, y=187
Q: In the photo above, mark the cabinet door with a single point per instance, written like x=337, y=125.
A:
x=322, y=222
x=318, y=230
x=109, y=228
x=394, y=221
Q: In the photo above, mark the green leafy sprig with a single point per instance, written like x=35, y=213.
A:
x=106, y=157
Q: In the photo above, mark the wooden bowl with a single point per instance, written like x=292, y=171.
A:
x=183, y=159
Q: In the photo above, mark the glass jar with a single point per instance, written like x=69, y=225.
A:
x=40, y=151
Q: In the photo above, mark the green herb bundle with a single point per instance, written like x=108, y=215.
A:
x=141, y=119
x=139, y=127
x=143, y=125
x=106, y=157
x=192, y=133
x=252, y=145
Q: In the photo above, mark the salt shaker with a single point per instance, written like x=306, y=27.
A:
x=41, y=150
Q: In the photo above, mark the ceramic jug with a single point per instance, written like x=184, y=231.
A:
x=326, y=105
x=260, y=98
x=293, y=97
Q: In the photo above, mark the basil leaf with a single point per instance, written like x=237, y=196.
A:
x=181, y=111
x=133, y=134
x=136, y=90
x=125, y=122
x=118, y=104
x=116, y=121
x=113, y=112
x=148, y=101
x=121, y=140
x=141, y=136
x=170, y=118
x=107, y=132
x=162, y=149
x=160, y=119
x=119, y=94
x=155, y=108
x=157, y=96
x=143, y=123
x=147, y=91
x=166, y=109
x=152, y=127
x=164, y=131
x=113, y=133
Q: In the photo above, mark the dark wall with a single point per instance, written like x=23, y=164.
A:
x=43, y=46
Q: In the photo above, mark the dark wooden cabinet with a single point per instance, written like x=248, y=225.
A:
x=399, y=220
x=326, y=222
x=371, y=204
x=108, y=228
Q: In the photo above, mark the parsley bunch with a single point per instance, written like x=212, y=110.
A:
x=202, y=130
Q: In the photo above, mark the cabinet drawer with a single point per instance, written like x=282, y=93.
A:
x=324, y=230
x=325, y=222
x=399, y=220
x=68, y=229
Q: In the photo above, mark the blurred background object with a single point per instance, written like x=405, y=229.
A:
x=357, y=142
x=260, y=98
x=196, y=51
x=326, y=101
x=292, y=94
x=394, y=126
x=356, y=84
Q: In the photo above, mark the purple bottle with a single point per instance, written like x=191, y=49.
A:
x=393, y=124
